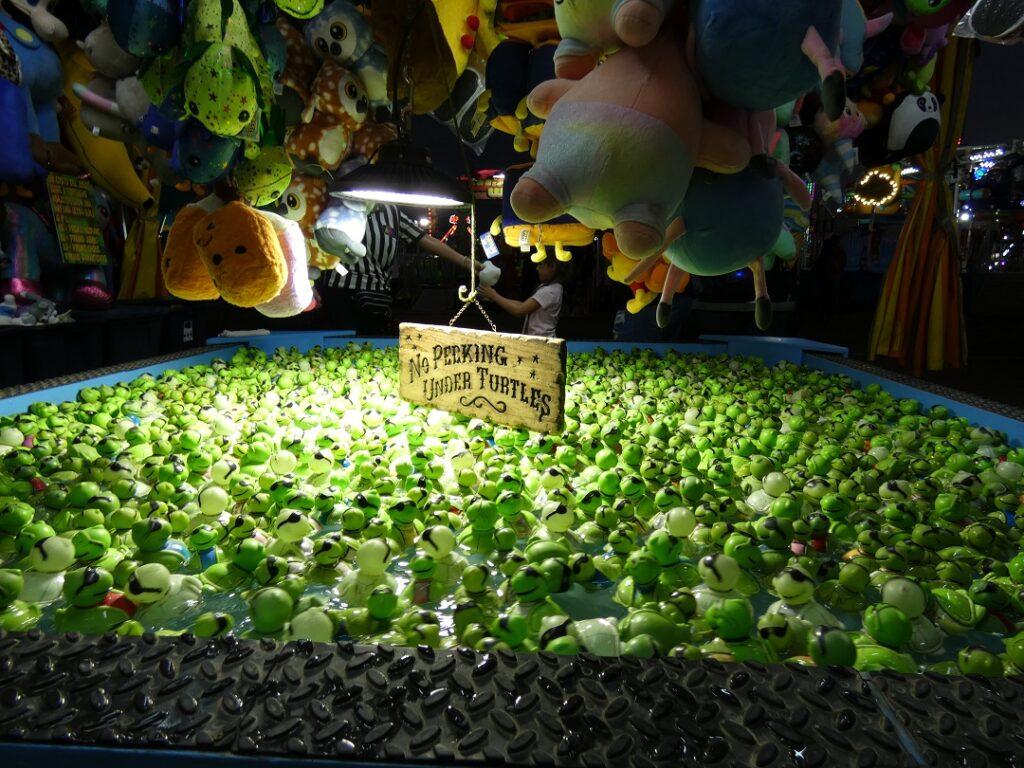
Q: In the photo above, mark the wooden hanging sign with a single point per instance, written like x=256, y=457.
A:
x=504, y=378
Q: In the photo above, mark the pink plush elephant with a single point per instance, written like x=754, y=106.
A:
x=620, y=145
x=590, y=28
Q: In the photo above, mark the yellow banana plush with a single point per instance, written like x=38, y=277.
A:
x=106, y=161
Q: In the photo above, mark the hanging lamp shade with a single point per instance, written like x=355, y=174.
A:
x=402, y=175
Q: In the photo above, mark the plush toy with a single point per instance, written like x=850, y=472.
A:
x=640, y=109
x=243, y=254
x=442, y=36
x=16, y=162
x=303, y=202
x=325, y=141
x=856, y=29
x=201, y=157
x=299, y=70
x=340, y=94
x=300, y=9
x=100, y=113
x=185, y=274
x=46, y=25
x=921, y=15
x=514, y=69
x=341, y=226
x=25, y=242
x=760, y=54
x=263, y=179
x=106, y=161
x=146, y=29
x=297, y=293
x=559, y=232
x=909, y=126
x=645, y=287
x=840, y=159
x=730, y=221
x=220, y=92
x=106, y=56
x=40, y=81
x=341, y=33
x=591, y=28
x=371, y=137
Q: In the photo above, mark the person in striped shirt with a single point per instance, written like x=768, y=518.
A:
x=363, y=296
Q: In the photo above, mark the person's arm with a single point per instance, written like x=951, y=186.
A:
x=433, y=245
x=513, y=307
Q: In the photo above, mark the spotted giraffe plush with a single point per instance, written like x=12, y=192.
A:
x=339, y=93
x=303, y=202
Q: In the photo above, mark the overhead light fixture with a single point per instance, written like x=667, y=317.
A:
x=402, y=175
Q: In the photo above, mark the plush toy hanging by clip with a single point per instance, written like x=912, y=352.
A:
x=640, y=109
x=559, y=233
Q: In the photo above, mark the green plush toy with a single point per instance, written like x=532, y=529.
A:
x=262, y=180
x=220, y=93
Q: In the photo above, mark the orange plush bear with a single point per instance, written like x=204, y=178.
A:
x=185, y=274
x=241, y=250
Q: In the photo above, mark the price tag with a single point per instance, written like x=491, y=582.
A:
x=524, y=240
x=489, y=246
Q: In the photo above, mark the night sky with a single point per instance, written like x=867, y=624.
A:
x=996, y=111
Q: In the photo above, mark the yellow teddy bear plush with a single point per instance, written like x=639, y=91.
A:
x=242, y=253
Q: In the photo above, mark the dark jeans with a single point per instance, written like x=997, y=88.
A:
x=365, y=312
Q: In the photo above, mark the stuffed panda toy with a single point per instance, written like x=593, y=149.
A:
x=909, y=126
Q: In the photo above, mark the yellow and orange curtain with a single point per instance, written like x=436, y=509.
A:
x=919, y=321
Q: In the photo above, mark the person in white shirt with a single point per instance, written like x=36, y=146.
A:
x=542, y=309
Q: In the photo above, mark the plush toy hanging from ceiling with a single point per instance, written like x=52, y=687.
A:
x=16, y=162
x=640, y=109
x=242, y=252
x=760, y=54
x=592, y=28
x=340, y=33
x=909, y=126
x=299, y=70
x=30, y=106
x=514, y=69
x=201, y=157
x=261, y=180
x=558, y=233
x=442, y=36
x=146, y=29
x=729, y=221
x=646, y=286
x=107, y=162
x=338, y=106
x=919, y=16
x=303, y=202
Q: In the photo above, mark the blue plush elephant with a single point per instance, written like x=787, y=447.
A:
x=40, y=78
x=731, y=222
x=760, y=54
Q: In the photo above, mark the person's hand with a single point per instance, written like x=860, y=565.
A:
x=487, y=292
x=489, y=274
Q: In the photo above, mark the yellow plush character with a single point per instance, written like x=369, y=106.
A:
x=444, y=35
x=646, y=286
x=185, y=273
x=241, y=250
x=560, y=233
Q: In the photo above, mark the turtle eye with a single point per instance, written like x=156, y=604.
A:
x=243, y=116
x=339, y=31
